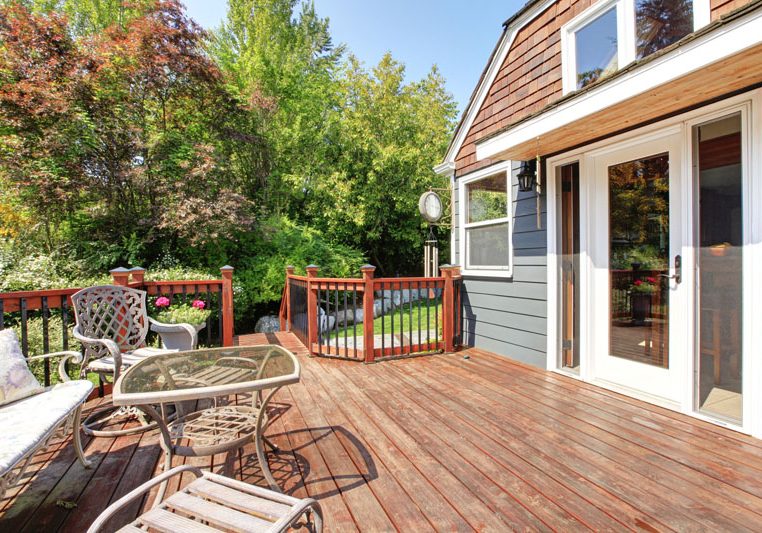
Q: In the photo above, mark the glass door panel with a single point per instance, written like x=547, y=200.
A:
x=719, y=221
x=638, y=298
x=639, y=251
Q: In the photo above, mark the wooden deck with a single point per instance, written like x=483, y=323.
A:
x=447, y=443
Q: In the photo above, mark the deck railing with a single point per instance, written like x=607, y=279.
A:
x=621, y=294
x=370, y=319
x=51, y=310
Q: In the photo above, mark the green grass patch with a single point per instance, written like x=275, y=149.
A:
x=401, y=317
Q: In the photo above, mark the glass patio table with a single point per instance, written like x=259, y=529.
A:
x=200, y=384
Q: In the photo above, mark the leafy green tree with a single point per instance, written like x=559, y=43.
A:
x=283, y=63
x=389, y=136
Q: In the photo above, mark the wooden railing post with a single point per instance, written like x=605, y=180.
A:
x=448, y=307
x=121, y=276
x=138, y=275
x=227, y=305
x=367, y=312
x=285, y=318
x=312, y=307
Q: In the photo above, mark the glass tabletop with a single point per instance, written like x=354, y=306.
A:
x=206, y=373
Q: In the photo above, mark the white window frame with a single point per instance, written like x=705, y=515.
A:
x=495, y=271
x=626, y=50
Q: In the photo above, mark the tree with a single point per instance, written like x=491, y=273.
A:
x=389, y=136
x=283, y=63
x=129, y=131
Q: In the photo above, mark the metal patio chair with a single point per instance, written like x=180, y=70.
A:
x=112, y=323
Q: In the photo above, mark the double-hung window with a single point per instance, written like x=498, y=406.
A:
x=485, y=231
x=613, y=33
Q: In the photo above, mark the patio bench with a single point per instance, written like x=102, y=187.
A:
x=31, y=415
x=213, y=502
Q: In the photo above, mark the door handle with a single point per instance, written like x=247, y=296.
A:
x=678, y=275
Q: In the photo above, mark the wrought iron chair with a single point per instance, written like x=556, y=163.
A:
x=112, y=323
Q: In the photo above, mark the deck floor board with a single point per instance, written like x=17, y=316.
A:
x=442, y=443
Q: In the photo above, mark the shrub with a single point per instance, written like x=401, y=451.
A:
x=260, y=278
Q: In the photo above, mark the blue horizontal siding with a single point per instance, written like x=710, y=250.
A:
x=508, y=316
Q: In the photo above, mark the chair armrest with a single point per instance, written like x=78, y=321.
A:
x=112, y=509
x=76, y=357
x=161, y=327
x=111, y=346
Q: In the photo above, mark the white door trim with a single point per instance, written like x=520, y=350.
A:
x=752, y=336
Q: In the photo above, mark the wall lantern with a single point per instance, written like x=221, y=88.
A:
x=527, y=175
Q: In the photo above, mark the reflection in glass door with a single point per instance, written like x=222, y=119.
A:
x=638, y=260
x=719, y=216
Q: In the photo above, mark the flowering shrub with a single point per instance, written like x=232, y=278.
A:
x=195, y=314
x=644, y=286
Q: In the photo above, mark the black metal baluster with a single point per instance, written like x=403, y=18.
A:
x=24, y=340
x=65, y=323
x=410, y=318
x=418, y=299
x=428, y=318
x=436, y=321
x=2, y=314
x=65, y=329
x=354, y=321
x=346, y=325
x=383, y=319
x=327, y=315
x=209, y=318
x=393, y=312
x=219, y=306
x=45, y=339
x=333, y=294
x=185, y=294
x=319, y=322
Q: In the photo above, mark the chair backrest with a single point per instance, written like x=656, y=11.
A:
x=111, y=312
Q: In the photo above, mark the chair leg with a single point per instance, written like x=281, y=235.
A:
x=163, y=486
x=317, y=520
x=77, y=434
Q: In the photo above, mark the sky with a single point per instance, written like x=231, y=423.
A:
x=456, y=35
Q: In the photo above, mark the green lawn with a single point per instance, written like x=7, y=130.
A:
x=401, y=317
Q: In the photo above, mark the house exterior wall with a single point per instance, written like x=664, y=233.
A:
x=508, y=315
x=530, y=77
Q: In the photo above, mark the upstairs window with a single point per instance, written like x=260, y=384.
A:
x=613, y=33
x=659, y=23
x=596, y=48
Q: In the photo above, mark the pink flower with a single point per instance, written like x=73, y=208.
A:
x=198, y=304
x=162, y=301
x=651, y=279
x=637, y=283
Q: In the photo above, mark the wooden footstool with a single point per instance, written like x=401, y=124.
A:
x=215, y=503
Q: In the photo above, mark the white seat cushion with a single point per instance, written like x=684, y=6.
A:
x=16, y=380
x=25, y=422
x=106, y=364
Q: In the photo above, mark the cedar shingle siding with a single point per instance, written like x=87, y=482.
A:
x=530, y=77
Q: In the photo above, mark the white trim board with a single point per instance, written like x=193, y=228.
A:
x=475, y=104
x=716, y=45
